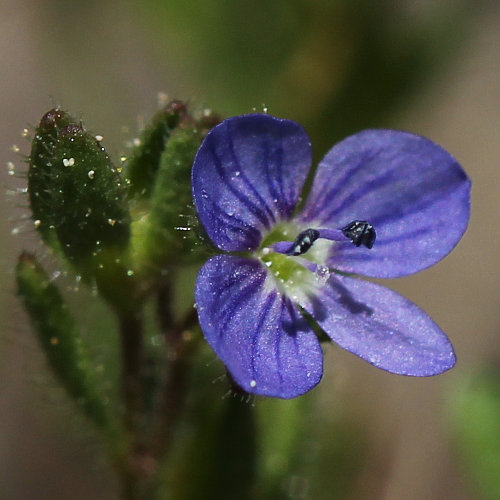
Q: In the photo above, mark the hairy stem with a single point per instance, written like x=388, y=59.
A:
x=132, y=362
x=132, y=352
x=180, y=347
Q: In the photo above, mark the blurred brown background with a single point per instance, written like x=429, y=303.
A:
x=108, y=60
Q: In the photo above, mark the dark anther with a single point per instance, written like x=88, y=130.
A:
x=360, y=233
x=304, y=241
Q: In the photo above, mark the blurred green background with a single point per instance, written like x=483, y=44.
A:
x=336, y=67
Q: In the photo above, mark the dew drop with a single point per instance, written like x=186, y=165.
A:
x=68, y=162
x=253, y=383
x=99, y=138
x=37, y=223
x=322, y=274
x=25, y=132
x=91, y=174
x=111, y=222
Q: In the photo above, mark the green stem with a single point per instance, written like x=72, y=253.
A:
x=132, y=362
x=180, y=348
x=134, y=471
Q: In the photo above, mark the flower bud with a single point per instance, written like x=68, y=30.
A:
x=42, y=174
x=145, y=160
x=93, y=216
x=170, y=234
x=76, y=194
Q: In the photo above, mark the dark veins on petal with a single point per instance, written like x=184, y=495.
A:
x=252, y=207
x=337, y=292
x=275, y=179
x=235, y=223
x=259, y=330
x=324, y=203
x=238, y=299
x=270, y=215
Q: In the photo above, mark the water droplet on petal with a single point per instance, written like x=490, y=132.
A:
x=322, y=274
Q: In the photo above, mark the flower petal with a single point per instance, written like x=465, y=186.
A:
x=259, y=335
x=380, y=326
x=412, y=191
x=247, y=174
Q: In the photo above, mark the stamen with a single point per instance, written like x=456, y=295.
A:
x=360, y=232
x=303, y=242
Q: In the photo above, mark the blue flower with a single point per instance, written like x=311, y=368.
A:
x=383, y=204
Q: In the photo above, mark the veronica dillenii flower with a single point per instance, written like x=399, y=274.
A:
x=383, y=204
